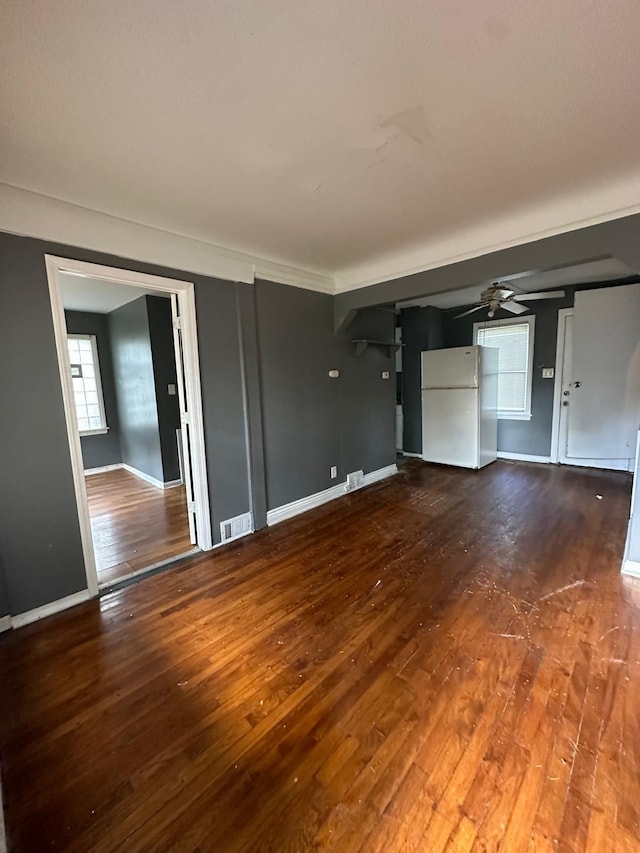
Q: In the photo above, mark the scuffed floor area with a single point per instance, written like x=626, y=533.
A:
x=447, y=660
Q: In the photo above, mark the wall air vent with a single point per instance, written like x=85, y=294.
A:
x=234, y=528
x=355, y=480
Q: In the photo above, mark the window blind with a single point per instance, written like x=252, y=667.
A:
x=512, y=343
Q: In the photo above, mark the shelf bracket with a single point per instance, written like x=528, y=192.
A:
x=389, y=347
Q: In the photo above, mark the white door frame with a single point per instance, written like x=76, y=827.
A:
x=563, y=313
x=186, y=300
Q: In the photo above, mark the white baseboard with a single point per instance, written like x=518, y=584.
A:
x=102, y=470
x=380, y=474
x=5, y=624
x=170, y=484
x=411, y=455
x=602, y=464
x=281, y=513
x=51, y=608
x=3, y=833
x=631, y=567
x=524, y=457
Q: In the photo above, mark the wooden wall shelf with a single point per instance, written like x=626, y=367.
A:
x=362, y=343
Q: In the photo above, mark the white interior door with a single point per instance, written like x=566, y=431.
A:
x=601, y=378
x=184, y=420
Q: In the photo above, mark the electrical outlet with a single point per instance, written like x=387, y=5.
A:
x=547, y=372
x=334, y=472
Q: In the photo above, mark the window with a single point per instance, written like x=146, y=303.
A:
x=514, y=341
x=87, y=387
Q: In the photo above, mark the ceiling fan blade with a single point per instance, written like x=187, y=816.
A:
x=514, y=308
x=470, y=311
x=503, y=292
x=548, y=294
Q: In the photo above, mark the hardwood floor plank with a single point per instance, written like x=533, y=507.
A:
x=448, y=660
x=133, y=523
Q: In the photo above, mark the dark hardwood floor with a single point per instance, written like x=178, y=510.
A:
x=134, y=524
x=447, y=660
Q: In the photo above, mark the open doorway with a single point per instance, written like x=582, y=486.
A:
x=127, y=353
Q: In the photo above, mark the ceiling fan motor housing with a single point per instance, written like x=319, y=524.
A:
x=496, y=293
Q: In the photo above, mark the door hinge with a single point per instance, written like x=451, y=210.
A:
x=185, y=418
x=177, y=323
x=191, y=506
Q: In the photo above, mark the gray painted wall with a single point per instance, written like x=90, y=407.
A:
x=275, y=393
x=311, y=421
x=164, y=374
x=300, y=401
x=135, y=388
x=39, y=528
x=422, y=329
x=39, y=531
x=252, y=401
x=99, y=450
x=367, y=403
x=222, y=400
x=5, y=610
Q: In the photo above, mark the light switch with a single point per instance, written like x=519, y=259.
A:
x=547, y=372
x=385, y=374
x=171, y=390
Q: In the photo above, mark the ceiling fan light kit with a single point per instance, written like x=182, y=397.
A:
x=500, y=296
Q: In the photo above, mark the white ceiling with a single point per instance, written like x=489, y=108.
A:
x=330, y=136
x=608, y=269
x=81, y=293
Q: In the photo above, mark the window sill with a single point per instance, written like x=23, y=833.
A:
x=524, y=416
x=103, y=431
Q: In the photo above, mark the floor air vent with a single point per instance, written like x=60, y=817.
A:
x=234, y=528
x=355, y=480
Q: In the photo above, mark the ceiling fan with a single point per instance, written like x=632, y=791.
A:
x=503, y=296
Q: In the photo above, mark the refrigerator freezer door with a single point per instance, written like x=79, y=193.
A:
x=450, y=368
x=450, y=426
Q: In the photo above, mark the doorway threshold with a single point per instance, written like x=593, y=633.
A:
x=147, y=571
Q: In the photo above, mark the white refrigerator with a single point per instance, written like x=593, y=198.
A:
x=459, y=406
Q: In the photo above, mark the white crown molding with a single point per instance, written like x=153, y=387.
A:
x=30, y=214
x=592, y=206
x=34, y=215
x=283, y=274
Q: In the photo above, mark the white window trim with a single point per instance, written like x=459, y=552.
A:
x=96, y=366
x=515, y=321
